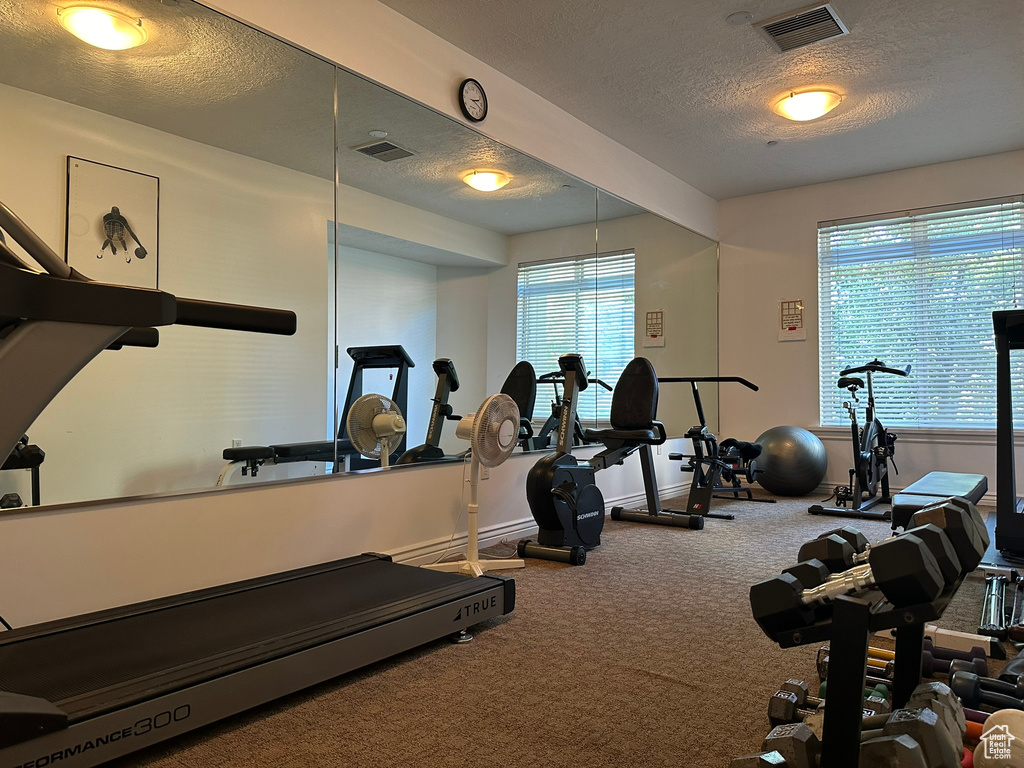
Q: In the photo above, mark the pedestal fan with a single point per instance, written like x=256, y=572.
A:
x=492, y=431
x=375, y=425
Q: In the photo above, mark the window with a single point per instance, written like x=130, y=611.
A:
x=919, y=289
x=582, y=304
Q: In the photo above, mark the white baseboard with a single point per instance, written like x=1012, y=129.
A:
x=430, y=551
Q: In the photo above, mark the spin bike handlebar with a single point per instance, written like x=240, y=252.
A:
x=556, y=377
x=876, y=366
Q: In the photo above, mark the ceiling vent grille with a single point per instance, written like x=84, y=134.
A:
x=803, y=27
x=384, y=151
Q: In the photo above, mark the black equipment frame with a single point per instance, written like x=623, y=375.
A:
x=873, y=449
x=848, y=630
x=1008, y=325
x=440, y=411
x=706, y=463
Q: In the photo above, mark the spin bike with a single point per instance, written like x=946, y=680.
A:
x=713, y=462
x=873, y=449
x=542, y=440
x=441, y=411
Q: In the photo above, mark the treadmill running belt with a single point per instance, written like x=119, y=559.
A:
x=89, y=669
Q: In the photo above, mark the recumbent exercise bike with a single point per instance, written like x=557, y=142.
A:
x=564, y=499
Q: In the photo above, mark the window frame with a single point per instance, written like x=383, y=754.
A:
x=921, y=237
x=600, y=402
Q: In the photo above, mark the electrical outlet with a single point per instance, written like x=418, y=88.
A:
x=236, y=442
x=485, y=472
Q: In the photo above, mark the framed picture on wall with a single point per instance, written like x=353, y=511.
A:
x=112, y=227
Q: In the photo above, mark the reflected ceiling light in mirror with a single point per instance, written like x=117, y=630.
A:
x=808, y=105
x=102, y=27
x=487, y=181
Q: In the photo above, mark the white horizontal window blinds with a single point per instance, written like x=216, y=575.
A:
x=919, y=289
x=582, y=305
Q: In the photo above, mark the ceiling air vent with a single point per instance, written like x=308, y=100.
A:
x=803, y=27
x=384, y=151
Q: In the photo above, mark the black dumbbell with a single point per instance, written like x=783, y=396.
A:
x=930, y=666
x=992, y=685
x=845, y=547
x=968, y=687
x=960, y=527
x=1013, y=671
x=971, y=512
x=831, y=549
x=977, y=652
x=902, y=568
x=810, y=573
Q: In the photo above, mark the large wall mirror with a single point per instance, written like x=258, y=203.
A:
x=284, y=181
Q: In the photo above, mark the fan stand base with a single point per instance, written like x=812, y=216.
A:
x=476, y=567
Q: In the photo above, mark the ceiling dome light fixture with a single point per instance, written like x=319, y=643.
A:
x=487, y=181
x=808, y=105
x=102, y=27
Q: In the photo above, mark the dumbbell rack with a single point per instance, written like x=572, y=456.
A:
x=853, y=620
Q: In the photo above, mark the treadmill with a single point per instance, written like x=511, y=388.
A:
x=87, y=689
x=1008, y=325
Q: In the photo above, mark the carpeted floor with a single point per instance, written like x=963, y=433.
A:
x=645, y=656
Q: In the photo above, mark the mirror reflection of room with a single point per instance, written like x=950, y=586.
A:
x=240, y=206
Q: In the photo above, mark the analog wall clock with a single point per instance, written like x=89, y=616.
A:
x=472, y=100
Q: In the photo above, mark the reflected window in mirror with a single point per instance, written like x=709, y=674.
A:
x=582, y=305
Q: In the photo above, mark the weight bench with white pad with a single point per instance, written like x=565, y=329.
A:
x=935, y=485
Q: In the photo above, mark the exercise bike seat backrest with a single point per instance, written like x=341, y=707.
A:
x=521, y=386
x=634, y=407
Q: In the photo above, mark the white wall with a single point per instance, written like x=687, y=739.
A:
x=231, y=229
x=675, y=271
x=769, y=252
x=371, y=39
x=383, y=300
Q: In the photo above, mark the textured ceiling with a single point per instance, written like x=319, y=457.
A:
x=210, y=79
x=924, y=81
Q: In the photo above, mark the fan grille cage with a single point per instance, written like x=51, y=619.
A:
x=360, y=423
x=495, y=430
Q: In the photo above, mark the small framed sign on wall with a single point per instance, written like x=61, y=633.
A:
x=112, y=227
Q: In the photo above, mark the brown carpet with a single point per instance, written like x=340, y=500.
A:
x=645, y=656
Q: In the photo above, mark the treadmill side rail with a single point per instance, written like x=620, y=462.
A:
x=27, y=717
x=98, y=739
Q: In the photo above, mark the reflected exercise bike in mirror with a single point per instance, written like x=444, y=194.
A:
x=564, y=499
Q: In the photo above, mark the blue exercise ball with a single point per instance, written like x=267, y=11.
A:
x=793, y=461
